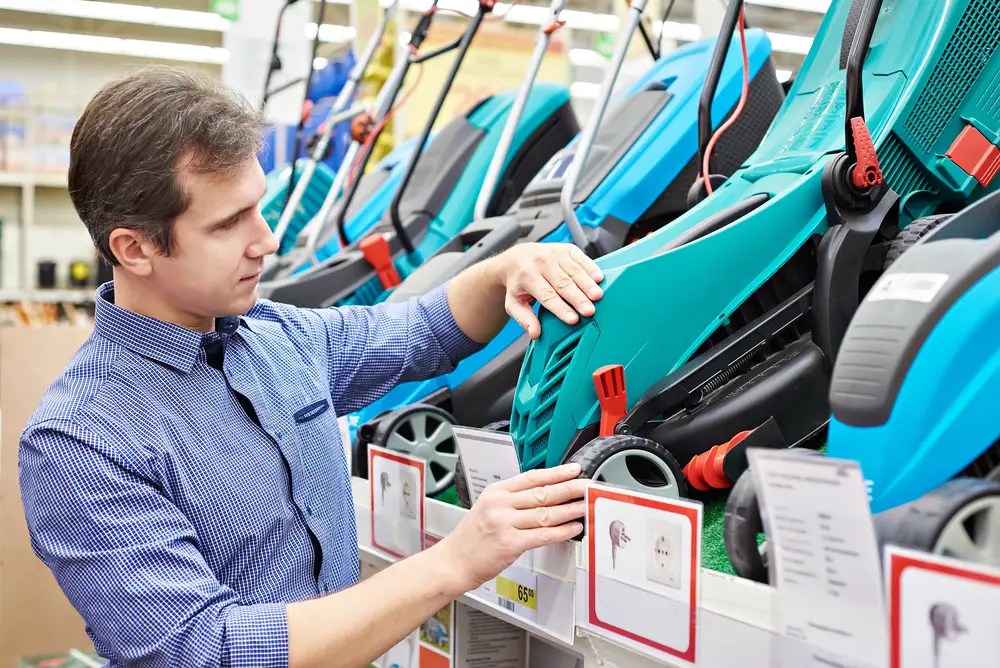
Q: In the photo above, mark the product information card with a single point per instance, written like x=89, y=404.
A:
x=643, y=555
x=396, y=484
x=824, y=557
x=943, y=613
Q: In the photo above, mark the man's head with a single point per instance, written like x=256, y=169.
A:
x=164, y=174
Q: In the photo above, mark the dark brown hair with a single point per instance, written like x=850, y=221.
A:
x=129, y=142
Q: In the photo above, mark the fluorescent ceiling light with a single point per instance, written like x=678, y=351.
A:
x=783, y=75
x=138, y=48
x=320, y=63
x=112, y=11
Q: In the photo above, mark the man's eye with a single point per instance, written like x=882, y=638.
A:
x=231, y=222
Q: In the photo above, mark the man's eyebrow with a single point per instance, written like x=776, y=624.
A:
x=225, y=219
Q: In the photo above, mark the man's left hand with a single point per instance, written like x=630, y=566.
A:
x=560, y=277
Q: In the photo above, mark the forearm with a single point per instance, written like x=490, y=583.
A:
x=354, y=627
x=476, y=298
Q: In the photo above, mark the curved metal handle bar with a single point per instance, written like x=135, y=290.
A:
x=383, y=103
x=507, y=137
x=719, y=53
x=860, y=43
x=463, y=48
x=633, y=17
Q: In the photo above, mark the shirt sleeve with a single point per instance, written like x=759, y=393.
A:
x=372, y=349
x=128, y=560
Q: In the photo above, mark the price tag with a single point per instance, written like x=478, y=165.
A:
x=517, y=592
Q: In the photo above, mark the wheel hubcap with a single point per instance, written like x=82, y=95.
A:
x=640, y=471
x=973, y=533
x=430, y=437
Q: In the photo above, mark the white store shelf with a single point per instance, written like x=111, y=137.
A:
x=736, y=617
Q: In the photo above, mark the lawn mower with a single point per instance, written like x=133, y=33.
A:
x=636, y=181
x=287, y=212
x=912, y=395
x=436, y=195
x=718, y=332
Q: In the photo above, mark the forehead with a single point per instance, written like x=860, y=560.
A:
x=208, y=192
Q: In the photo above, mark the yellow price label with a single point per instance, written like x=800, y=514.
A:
x=517, y=592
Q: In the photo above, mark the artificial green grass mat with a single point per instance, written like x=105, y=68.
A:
x=713, y=547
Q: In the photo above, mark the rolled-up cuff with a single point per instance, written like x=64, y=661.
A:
x=455, y=343
x=257, y=636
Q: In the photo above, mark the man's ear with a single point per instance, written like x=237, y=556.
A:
x=133, y=251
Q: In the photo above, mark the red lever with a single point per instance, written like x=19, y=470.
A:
x=307, y=108
x=609, y=381
x=376, y=250
x=552, y=27
x=975, y=155
x=704, y=472
x=867, y=172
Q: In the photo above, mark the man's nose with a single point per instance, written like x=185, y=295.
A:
x=266, y=243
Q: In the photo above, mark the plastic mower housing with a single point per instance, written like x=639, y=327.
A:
x=755, y=286
x=640, y=170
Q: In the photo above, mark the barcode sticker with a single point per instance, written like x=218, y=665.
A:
x=922, y=287
x=505, y=603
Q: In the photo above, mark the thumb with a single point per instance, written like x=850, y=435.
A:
x=524, y=315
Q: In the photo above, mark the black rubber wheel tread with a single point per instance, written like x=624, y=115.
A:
x=918, y=524
x=389, y=420
x=740, y=526
x=591, y=456
x=911, y=234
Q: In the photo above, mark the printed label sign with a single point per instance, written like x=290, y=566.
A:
x=396, y=485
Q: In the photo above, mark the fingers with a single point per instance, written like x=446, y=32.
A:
x=567, y=286
x=550, y=495
x=539, y=284
x=584, y=282
x=550, y=535
x=524, y=315
x=549, y=516
x=581, y=258
x=541, y=477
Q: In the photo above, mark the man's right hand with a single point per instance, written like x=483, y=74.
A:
x=537, y=508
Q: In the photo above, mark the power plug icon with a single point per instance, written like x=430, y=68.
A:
x=618, y=539
x=384, y=481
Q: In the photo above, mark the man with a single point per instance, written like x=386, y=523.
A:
x=184, y=477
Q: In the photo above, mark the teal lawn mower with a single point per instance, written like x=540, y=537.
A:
x=719, y=331
x=641, y=169
x=913, y=392
x=507, y=137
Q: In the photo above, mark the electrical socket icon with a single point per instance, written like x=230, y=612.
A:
x=408, y=496
x=663, y=553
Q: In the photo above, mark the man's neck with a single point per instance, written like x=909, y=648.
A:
x=133, y=296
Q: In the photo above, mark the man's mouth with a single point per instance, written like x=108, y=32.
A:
x=252, y=277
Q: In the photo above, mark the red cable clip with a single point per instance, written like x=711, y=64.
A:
x=609, y=381
x=552, y=27
x=867, y=172
x=704, y=472
x=307, y=108
x=376, y=251
x=487, y=4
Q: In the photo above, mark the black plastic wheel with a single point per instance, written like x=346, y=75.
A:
x=956, y=519
x=741, y=526
x=632, y=462
x=911, y=234
x=400, y=427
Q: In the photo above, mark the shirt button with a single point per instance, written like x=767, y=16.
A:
x=326, y=587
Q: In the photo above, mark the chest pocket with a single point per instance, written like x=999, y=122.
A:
x=311, y=412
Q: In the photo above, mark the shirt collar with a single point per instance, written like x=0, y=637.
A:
x=161, y=341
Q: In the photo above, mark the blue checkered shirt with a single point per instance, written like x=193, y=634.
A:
x=177, y=521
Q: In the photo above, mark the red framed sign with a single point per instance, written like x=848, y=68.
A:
x=396, y=484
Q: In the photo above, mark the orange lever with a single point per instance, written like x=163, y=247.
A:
x=704, y=471
x=609, y=381
x=376, y=251
x=866, y=173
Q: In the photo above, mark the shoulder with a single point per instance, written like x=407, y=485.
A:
x=275, y=317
